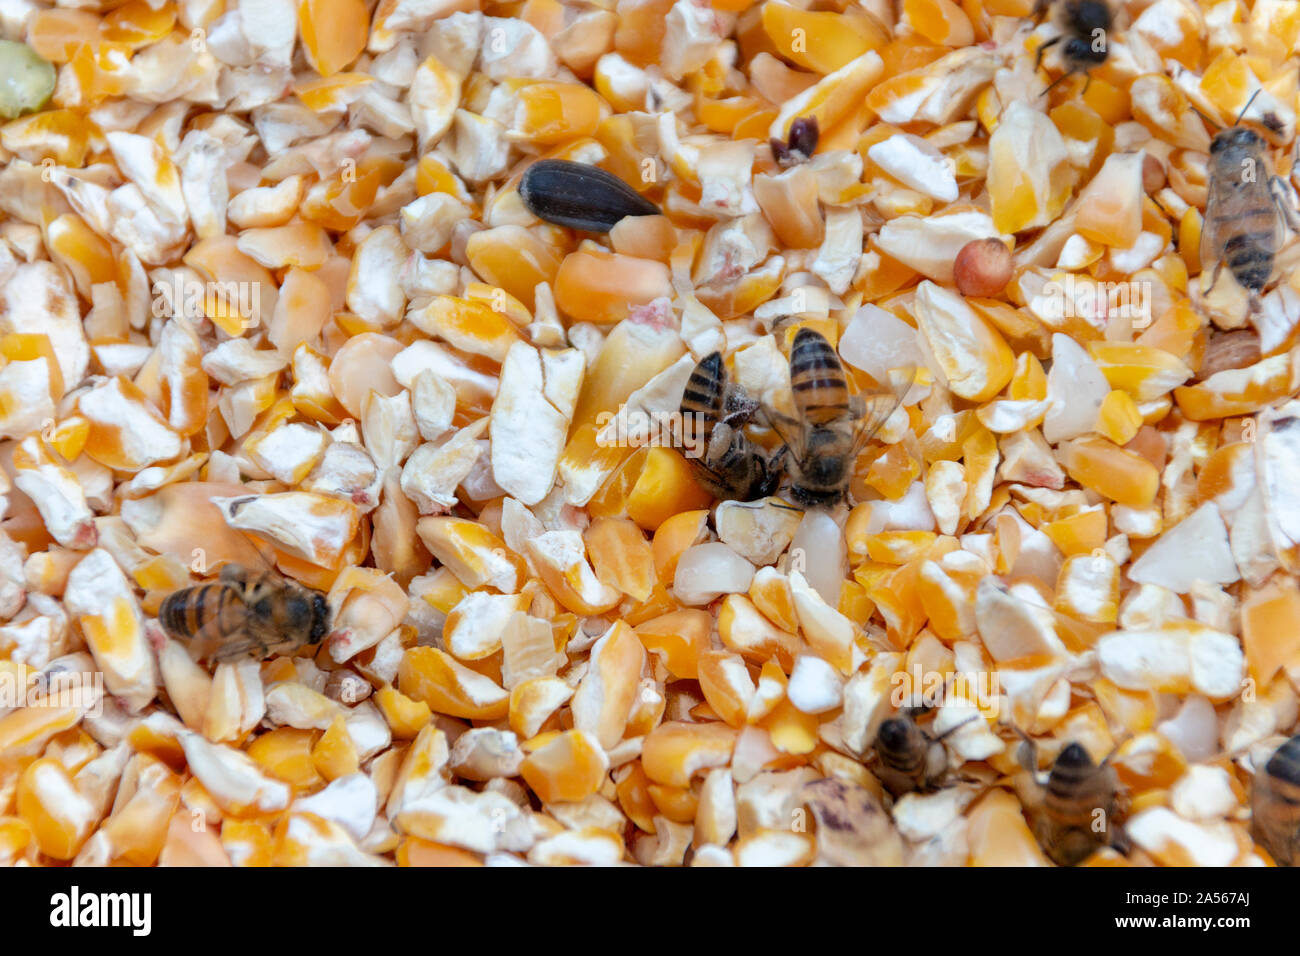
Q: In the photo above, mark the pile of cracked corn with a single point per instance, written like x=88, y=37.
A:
x=267, y=282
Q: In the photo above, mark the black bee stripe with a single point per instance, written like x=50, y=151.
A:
x=807, y=384
x=1247, y=240
x=195, y=609
x=811, y=360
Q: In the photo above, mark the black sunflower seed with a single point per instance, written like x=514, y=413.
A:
x=580, y=196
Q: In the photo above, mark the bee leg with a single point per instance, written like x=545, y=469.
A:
x=1087, y=82
x=719, y=444
x=1038, y=60
x=1051, y=86
x=1119, y=839
x=1027, y=752
x=1214, y=278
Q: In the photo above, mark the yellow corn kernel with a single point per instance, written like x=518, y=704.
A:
x=449, y=687
x=821, y=42
x=1113, y=472
x=286, y=753
x=678, y=638
x=674, y=752
x=335, y=755
x=405, y=717
x=603, y=287
x=1119, y=418
x=49, y=803
x=570, y=766
x=333, y=32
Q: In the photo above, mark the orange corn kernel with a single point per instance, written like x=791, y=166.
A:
x=449, y=687
x=333, y=32
x=674, y=752
x=570, y=766
x=1111, y=471
x=602, y=287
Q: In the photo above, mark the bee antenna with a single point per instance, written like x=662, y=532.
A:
x=1214, y=123
x=1247, y=106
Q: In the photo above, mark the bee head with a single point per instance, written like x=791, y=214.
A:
x=894, y=733
x=320, y=618
x=1285, y=762
x=1088, y=15
x=1078, y=50
x=1074, y=757
x=1238, y=136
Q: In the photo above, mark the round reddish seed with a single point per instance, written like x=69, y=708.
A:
x=982, y=267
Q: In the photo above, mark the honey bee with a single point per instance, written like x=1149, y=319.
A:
x=822, y=445
x=1079, y=804
x=1275, y=804
x=245, y=612
x=909, y=758
x=714, y=414
x=1084, y=25
x=1244, y=209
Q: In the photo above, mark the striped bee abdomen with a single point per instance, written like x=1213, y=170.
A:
x=821, y=392
x=1250, y=258
x=186, y=612
x=702, y=400
x=1076, y=787
x=902, y=746
x=1275, y=804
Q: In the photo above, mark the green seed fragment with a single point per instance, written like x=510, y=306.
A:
x=26, y=81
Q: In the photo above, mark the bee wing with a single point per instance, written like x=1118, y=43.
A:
x=256, y=635
x=213, y=635
x=788, y=429
x=1224, y=221
x=880, y=405
x=1212, y=229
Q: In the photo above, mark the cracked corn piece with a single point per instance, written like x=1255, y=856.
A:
x=281, y=303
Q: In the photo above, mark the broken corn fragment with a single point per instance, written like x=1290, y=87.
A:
x=674, y=752
x=549, y=113
x=1270, y=632
x=59, y=816
x=1110, y=207
x=678, y=638
x=1119, y=417
x=568, y=767
x=1113, y=472
x=821, y=42
x=333, y=32
x=939, y=21
x=974, y=356
x=1029, y=174
x=449, y=687
x=1239, y=391
x=603, y=287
